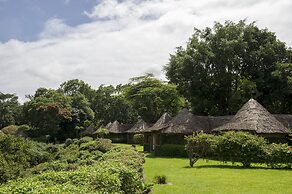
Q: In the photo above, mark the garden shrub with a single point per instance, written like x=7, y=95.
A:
x=237, y=147
x=240, y=147
x=18, y=154
x=128, y=156
x=200, y=145
x=160, y=179
x=85, y=140
x=278, y=155
x=138, y=139
x=112, y=174
x=104, y=145
x=171, y=150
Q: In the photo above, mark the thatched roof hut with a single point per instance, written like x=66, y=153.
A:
x=140, y=127
x=117, y=127
x=255, y=118
x=89, y=131
x=160, y=124
x=186, y=123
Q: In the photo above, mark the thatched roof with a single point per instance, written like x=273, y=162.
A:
x=90, y=130
x=254, y=117
x=117, y=127
x=161, y=123
x=186, y=123
x=140, y=127
x=217, y=121
x=286, y=120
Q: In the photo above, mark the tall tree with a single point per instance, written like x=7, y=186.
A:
x=75, y=86
x=9, y=109
x=222, y=67
x=46, y=110
x=110, y=105
x=151, y=97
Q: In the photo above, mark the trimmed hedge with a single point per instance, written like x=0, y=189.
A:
x=171, y=150
x=238, y=147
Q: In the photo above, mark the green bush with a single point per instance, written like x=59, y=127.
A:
x=18, y=154
x=84, y=140
x=104, y=145
x=278, y=155
x=171, y=150
x=237, y=147
x=138, y=139
x=127, y=156
x=240, y=147
x=160, y=179
x=112, y=174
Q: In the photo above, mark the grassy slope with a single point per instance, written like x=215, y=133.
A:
x=215, y=177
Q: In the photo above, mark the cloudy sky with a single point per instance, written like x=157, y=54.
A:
x=44, y=43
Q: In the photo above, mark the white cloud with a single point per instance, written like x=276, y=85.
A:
x=54, y=28
x=124, y=39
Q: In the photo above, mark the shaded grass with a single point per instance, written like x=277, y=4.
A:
x=216, y=177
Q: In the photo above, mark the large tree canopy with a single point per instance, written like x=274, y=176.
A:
x=221, y=68
x=151, y=97
x=46, y=110
x=9, y=109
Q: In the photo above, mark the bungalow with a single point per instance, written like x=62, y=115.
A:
x=117, y=131
x=139, y=127
x=254, y=118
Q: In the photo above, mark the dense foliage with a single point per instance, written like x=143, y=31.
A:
x=151, y=97
x=78, y=166
x=238, y=147
x=18, y=154
x=222, y=67
x=9, y=109
x=75, y=109
x=171, y=150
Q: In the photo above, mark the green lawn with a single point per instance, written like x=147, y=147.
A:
x=215, y=177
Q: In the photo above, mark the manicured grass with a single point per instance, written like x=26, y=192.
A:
x=215, y=177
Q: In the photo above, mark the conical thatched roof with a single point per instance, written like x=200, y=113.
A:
x=116, y=127
x=161, y=123
x=140, y=127
x=108, y=125
x=254, y=117
x=186, y=123
x=90, y=130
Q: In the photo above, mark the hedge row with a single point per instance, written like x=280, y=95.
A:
x=238, y=147
x=171, y=150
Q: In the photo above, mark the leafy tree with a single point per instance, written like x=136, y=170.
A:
x=224, y=66
x=76, y=86
x=110, y=105
x=46, y=110
x=151, y=97
x=281, y=100
x=9, y=109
